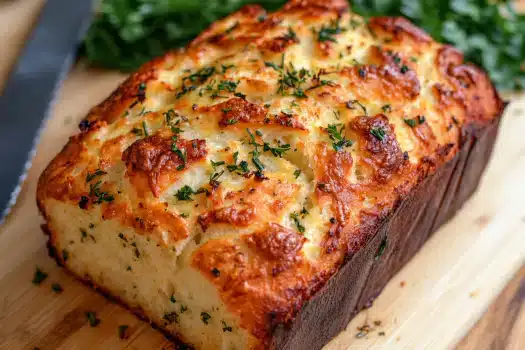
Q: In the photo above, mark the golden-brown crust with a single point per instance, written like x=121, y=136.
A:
x=375, y=86
x=383, y=79
x=261, y=286
x=399, y=30
x=472, y=87
x=154, y=158
x=378, y=143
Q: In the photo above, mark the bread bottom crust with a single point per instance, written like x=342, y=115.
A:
x=363, y=275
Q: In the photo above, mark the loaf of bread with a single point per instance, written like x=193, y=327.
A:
x=259, y=187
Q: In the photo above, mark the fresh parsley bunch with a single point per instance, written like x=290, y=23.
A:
x=127, y=33
x=489, y=32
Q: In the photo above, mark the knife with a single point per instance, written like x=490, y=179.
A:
x=31, y=88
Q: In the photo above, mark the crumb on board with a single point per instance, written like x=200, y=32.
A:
x=364, y=330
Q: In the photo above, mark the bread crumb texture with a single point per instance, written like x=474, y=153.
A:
x=221, y=186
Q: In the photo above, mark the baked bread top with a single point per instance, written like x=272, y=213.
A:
x=271, y=147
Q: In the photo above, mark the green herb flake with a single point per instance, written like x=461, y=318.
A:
x=91, y=176
x=410, y=122
x=92, y=318
x=123, y=331
x=297, y=173
x=205, y=317
x=57, y=288
x=387, y=108
x=337, y=136
x=185, y=193
x=171, y=317
x=39, y=276
x=381, y=248
x=99, y=195
x=225, y=327
x=379, y=133
x=172, y=299
x=328, y=33
x=351, y=105
x=295, y=217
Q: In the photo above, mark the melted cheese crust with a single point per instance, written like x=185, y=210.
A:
x=235, y=175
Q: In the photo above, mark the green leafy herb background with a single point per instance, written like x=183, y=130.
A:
x=127, y=33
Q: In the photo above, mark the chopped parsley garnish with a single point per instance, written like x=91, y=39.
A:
x=123, y=331
x=242, y=167
x=185, y=193
x=290, y=80
x=172, y=299
x=225, y=327
x=225, y=67
x=214, y=179
x=272, y=65
x=297, y=173
x=420, y=119
x=224, y=85
x=199, y=77
x=277, y=151
x=404, y=69
x=216, y=164
x=387, y=108
x=256, y=161
x=351, y=105
x=39, y=276
x=57, y=288
x=183, y=308
x=410, y=122
x=180, y=152
x=327, y=33
x=145, y=128
x=205, y=317
x=91, y=176
x=295, y=217
x=101, y=196
x=290, y=35
x=92, y=318
x=381, y=248
x=379, y=133
x=337, y=136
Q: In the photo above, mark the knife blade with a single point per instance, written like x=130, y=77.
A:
x=32, y=86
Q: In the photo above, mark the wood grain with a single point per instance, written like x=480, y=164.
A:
x=503, y=324
x=431, y=303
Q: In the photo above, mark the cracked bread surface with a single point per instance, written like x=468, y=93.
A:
x=222, y=185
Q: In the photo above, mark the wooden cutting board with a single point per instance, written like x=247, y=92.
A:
x=431, y=303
